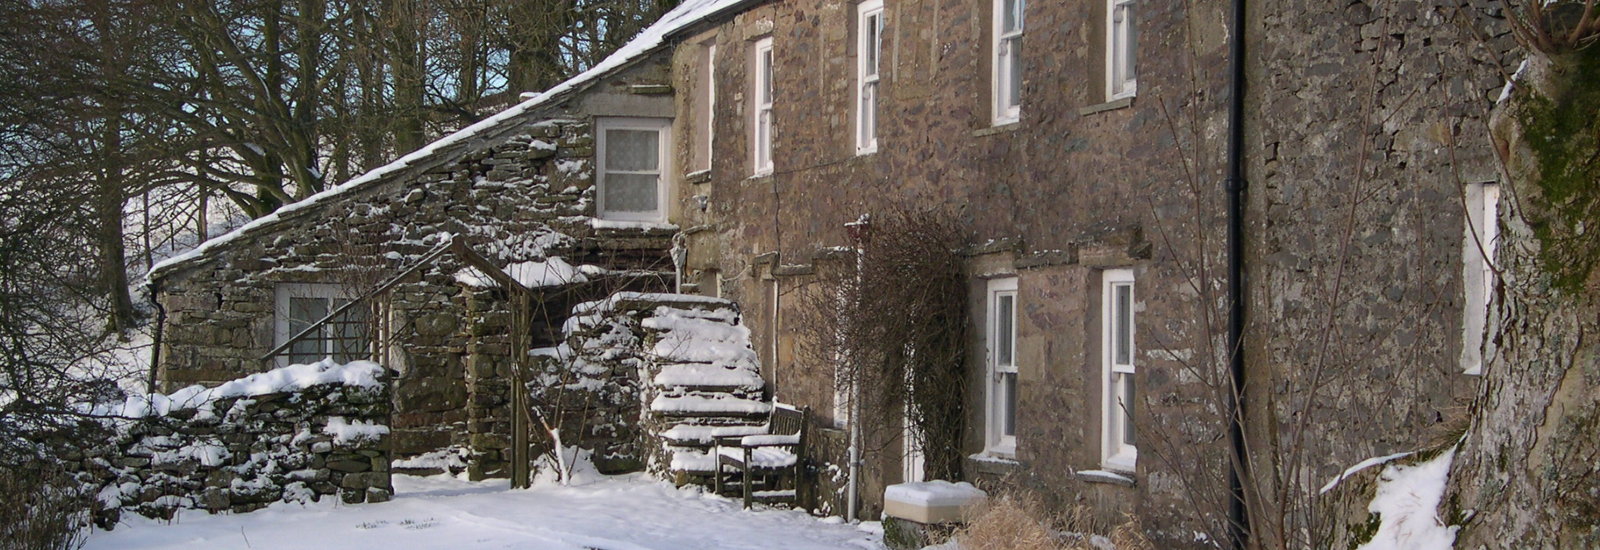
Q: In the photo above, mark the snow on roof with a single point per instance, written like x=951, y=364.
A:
x=648, y=41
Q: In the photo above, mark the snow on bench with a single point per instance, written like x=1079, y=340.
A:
x=705, y=435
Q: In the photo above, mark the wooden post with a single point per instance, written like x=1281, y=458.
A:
x=521, y=465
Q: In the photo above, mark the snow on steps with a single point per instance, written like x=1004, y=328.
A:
x=708, y=376
x=702, y=378
x=708, y=404
x=699, y=375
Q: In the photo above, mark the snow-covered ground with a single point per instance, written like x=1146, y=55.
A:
x=630, y=512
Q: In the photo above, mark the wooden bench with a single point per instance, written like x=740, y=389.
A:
x=773, y=456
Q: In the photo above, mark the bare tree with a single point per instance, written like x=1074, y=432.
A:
x=1529, y=466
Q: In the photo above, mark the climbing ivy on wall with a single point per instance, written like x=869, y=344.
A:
x=1560, y=127
x=895, y=318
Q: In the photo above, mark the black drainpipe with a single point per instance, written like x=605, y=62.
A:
x=1238, y=519
x=161, y=323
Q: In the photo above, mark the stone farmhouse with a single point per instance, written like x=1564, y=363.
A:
x=1086, y=147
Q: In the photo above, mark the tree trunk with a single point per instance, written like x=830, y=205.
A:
x=109, y=196
x=404, y=24
x=1529, y=467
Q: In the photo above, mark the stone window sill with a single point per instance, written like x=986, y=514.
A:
x=1001, y=129
x=985, y=463
x=698, y=176
x=1107, y=106
x=1105, y=476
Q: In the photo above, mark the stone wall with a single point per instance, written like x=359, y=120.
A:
x=220, y=312
x=518, y=191
x=246, y=446
x=1368, y=122
x=1376, y=133
x=588, y=387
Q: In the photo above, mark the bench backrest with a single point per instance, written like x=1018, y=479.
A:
x=787, y=420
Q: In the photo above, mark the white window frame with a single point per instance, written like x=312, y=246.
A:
x=1122, y=47
x=996, y=396
x=869, y=58
x=662, y=127
x=761, y=93
x=1478, y=276
x=1117, y=373
x=1006, y=46
x=280, y=314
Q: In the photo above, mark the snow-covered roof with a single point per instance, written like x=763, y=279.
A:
x=648, y=41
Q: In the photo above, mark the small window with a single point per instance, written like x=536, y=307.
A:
x=1120, y=396
x=631, y=152
x=1001, y=391
x=1478, y=272
x=705, y=107
x=869, y=46
x=299, y=306
x=762, y=92
x=1007, y=85
x=1122, y=48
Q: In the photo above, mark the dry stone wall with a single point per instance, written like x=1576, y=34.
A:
x=297, y=434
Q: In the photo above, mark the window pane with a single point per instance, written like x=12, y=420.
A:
x=764, y=138
x=869, y=108
x=302, y=313
x=1008, y=415
x=1005, y=317
x=1127, y=400
x=631, y=192
x=1011, y=14
x=349, y=334
x=870, y=56
x=633, y=150
x=1123, y=325
x=766, y=76
x=1014, y=67
x=1131, y=52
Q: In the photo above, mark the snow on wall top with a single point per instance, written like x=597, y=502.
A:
x=552, y=271
x=364, y=374
x=934, y=493
x=648, y=41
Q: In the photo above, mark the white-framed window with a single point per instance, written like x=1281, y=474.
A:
x=1122, y=49
x=1478, y=272
x=1118, y=396
x=1000, y=393
x=1006, y=87
x=761, y=91
x=632, y=153
x=298, y=306
x=705, y=114
x=869, y=46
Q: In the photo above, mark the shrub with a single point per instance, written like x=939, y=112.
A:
x=42, y=508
